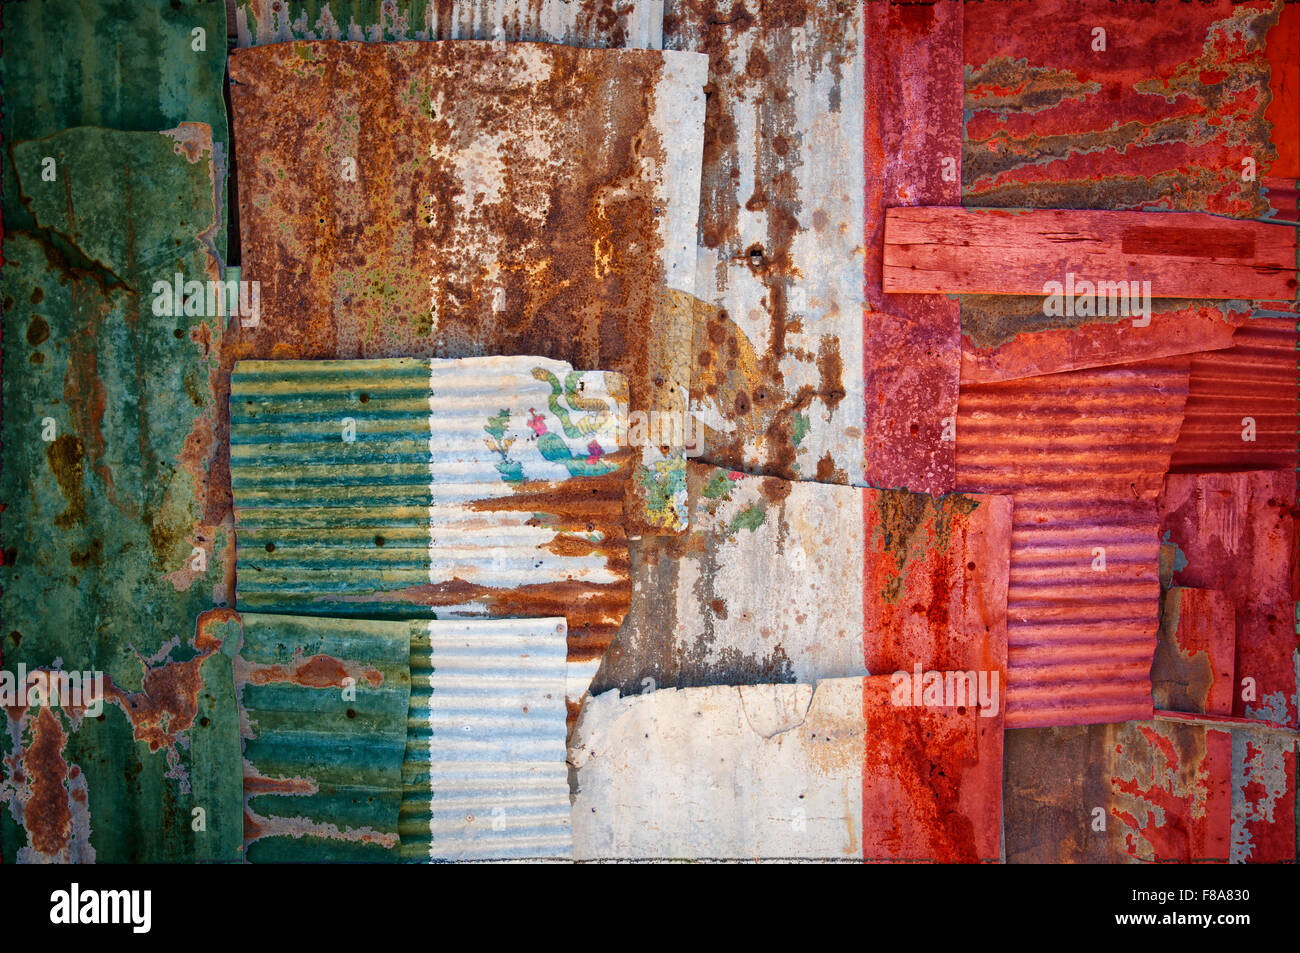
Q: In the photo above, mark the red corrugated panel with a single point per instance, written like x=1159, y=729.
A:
x=1251, y=383
x=1083, y=454
x=1237, y=534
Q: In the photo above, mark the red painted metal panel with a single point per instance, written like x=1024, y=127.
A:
x=1237, y=533
x=1194, y=661
x=912, y=147
x=1083, y=454
x=1243, y=402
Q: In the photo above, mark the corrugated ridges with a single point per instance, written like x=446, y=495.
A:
x=485, y=776
x=322, y=764
x=638, y=24
x=441, y=507
x=1255, y=378
x=1083, y=454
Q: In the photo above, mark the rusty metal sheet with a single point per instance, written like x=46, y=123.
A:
x=832, y=771
x=1195, y=653
x=479, y=487
x=1082, y=454
x=1164, y=790
x=1243, y=402
x=796, y=582
x=139, y=67
x=323, y=714
x=1236, y=532
x=109, y=559
x=603, y=23
x=1147, y=124
x=780, y=234
x=912, y=145
x=485, y=775
x=413, y=199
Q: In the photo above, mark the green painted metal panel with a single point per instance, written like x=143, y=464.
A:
x=128, y=66
x=108, y=422
x=325, y=703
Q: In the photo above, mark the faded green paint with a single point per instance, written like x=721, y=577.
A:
x=107, y=430
x=128, y=66
x=326, y=703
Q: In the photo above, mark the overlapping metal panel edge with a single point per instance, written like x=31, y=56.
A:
x=323, y=709
x=478, y=487
x=127, y=494
x=1051, y=123
x=485, y=775
x=608, y=23
x=1185, y=788
x=1082, y=453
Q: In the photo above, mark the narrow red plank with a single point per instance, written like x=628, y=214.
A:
x=995, y=251
x=912, y=139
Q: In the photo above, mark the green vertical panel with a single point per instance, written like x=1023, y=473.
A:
x=323, y=761
x=122, y=64
x=108, y=415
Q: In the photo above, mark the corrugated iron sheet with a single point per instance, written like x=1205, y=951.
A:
x=912, y=146
x=1160, y=120
x=324, y=706
x=781, y=771
x=1236, y=533
x=1160, y=791
x=1243, y=402
x=485, y=776
x=129, y=66
x=780, y=234
x=107, y=421
x=1083, y=454
x=796, y=582
x=604, y=23
x=483, y=487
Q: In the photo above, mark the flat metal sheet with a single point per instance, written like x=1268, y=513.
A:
x=1158, y=791
x=1195, y=655
x=769, y=772
x=796, y=582
x=1236, y=533
x=1083, y=454
x=605, y=23
x=109, y=558
x=472, y=488
x=323, y=711
x=137, y=67
x=485, y=776
x=780, y=234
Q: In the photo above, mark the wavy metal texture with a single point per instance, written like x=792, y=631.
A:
x=1162, y=119
x=324, y=710
x=1083, y=454
x=1243, y=402
x=780, y=234
x=127, y=66
x=485, y=776
x=481, y=487
x=606, y=23
x=445, y=202
x=1183, y=791
x=109, y=558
